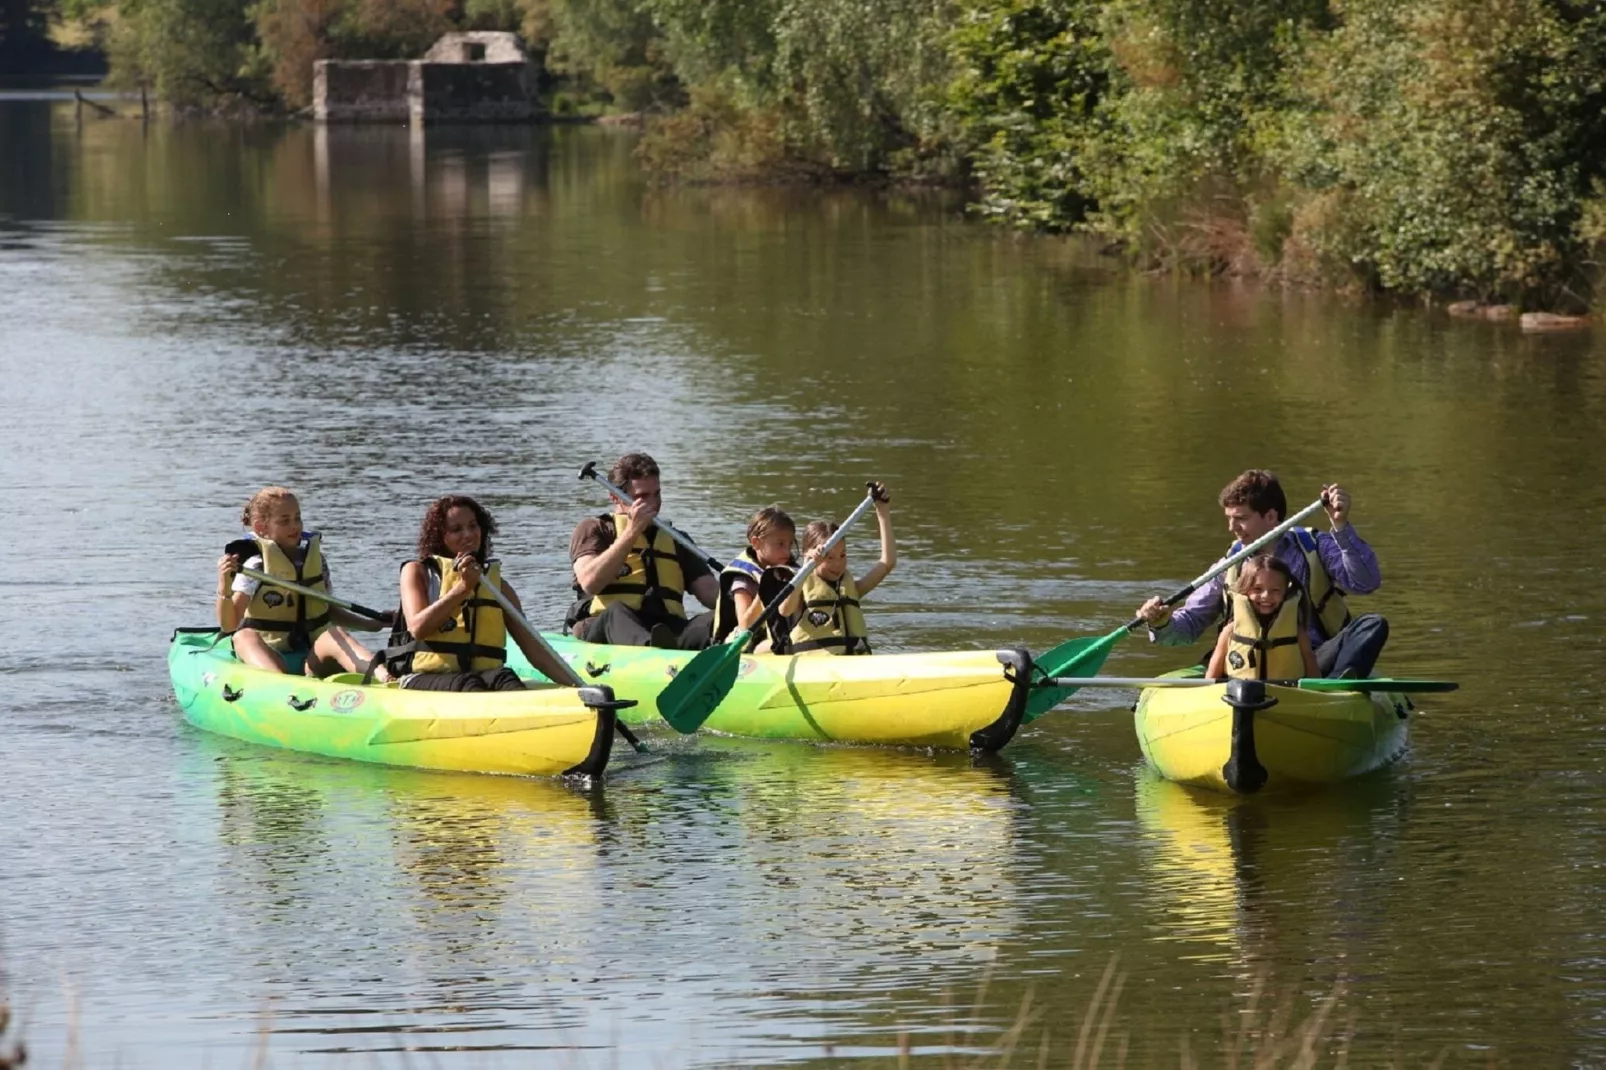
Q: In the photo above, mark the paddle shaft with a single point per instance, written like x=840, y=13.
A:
x=590, y=472
x=1242, y=555
x=322, y=596
x=1316, y=683
x=571, y=678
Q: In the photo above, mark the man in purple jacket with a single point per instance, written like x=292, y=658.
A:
x=1328, y=565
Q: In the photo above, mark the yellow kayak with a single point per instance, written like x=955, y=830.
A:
x=961, y=699
x=1190, y=735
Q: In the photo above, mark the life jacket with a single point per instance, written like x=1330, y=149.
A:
x=472, y=641
x=1326, y=599
x=650, y=577
x=830, y=619
x=1261, y=651
x=770, y=581
x=288, y=620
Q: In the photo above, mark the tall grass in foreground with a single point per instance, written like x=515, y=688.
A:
x=12, y=1052
x=1257, y=1037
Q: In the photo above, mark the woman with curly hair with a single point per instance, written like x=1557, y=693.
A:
x=457, y=634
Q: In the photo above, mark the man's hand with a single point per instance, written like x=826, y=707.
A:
x=641, y=512
x=1335, y=499
x=1155, y=612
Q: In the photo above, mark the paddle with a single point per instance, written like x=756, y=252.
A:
x=570, y=677
x=590, y=472
x=1308, y=683
x=308, y=592
x=1080, y=658
x=706, y=679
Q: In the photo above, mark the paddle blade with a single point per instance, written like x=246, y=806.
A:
x=1399, y=687
x=699, y=687
x=1078, y=657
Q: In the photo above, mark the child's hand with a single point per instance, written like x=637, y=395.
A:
x=813, y=553
x=880, y=493
x=227, y=566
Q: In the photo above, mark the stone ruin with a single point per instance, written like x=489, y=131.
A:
x=481, y=77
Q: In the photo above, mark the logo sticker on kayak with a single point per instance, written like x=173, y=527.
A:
x=345, y=701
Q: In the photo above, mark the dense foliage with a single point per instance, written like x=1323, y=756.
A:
x=1410, y=145
x=1416, y=146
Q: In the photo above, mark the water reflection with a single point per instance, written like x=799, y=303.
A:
x=501, y=894
x=1232, y=875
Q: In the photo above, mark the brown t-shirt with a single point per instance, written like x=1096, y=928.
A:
x=595, y=534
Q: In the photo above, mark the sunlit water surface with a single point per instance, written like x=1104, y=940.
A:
x=190, y=312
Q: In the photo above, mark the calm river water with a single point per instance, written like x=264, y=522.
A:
x=190, y=312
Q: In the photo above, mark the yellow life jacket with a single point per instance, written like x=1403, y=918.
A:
x=288, y=620
x=473, y=640
x=1326, y=600
x=830, y=620
x=1260, y=652
x=770, y=581
x=650, y=575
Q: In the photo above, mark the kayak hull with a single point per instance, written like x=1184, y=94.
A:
x=1189, y=735
x=539, y=732
x=958, y=700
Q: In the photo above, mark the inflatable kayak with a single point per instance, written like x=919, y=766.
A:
x=963, y=699
x=540, y=732
x=1192, y=736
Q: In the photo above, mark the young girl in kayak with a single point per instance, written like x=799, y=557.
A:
x=747, y=584
x=1267, y=636
x=277, y=629
x=824, y=613
x=456, y=633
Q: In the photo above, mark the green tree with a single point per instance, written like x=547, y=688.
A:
x=193, y=53
x=1030, y=77
x=1452, y=145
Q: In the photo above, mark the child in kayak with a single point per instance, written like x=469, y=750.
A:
x=824, y=614
x=1267, y=634
x=757, y=575
x=274, y=628
x=453, y=636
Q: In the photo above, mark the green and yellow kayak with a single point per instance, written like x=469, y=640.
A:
x=546, y=731
x=1307, y=737
x=970, y=699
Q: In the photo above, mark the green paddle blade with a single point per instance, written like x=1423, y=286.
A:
x=1077, y=657
x=700, y=686
x=1401, y=687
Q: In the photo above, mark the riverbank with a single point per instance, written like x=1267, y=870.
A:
x=1402, y=148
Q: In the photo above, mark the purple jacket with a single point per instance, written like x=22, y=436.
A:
x=1348, y=560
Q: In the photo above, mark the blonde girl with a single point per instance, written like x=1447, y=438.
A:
x=274, y=628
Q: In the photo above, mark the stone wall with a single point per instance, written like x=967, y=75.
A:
x=361, y=91
x=470, y=93
x=401, y=91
